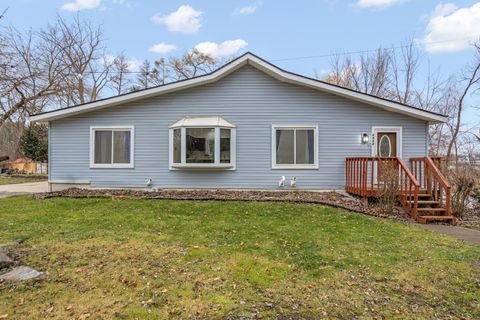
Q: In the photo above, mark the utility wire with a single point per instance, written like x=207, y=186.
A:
x=352, y=52
x=327, y=55
x=366, y=51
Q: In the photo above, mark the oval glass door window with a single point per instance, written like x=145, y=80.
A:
x=385, y=146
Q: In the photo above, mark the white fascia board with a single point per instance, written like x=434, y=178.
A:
x=229, y=68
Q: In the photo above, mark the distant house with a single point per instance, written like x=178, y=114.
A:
x=243, y=126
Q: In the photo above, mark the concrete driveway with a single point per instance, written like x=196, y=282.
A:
x=23, y=188
x=469, y=235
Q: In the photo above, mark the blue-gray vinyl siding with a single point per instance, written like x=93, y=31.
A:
x=251, y=100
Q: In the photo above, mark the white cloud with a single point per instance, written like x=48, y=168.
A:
x=78, y=5
x=132, y=63
x=443, y=10
x=220, y=50
x=125, y=3
x=184, y=20
x=163, y=48
x=451, y=28
x=108, y=58
x=377, y=3
x=323, y=71
x=248, y=9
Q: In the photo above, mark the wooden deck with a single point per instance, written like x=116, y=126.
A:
x=422, y=191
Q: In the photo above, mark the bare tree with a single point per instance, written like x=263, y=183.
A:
x=143, y=77
x=10, y=134
x=391, y=75
x=31, y=74
x=87, y=70
x=160, y=73
x=120, y=80
x=404, y=68
x=471, y=80
x=370, y=75
x=442, y=99
x=191, y=64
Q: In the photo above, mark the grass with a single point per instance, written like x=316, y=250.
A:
x=161, y=259
x=4, y=179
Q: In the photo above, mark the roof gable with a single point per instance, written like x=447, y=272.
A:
x=227, y=69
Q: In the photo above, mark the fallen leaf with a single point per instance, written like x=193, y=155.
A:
x=84, y=316
x=68, y=308
x=21, y=301
x=4, y=316
x=49, y=310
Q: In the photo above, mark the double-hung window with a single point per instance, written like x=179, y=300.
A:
x=202, y=142
x=294, y=147
x=111, y=147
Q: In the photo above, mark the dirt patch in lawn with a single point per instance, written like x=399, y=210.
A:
x=330, y=198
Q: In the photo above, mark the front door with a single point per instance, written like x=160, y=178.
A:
x=386, y=145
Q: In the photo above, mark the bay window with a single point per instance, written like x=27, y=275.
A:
x=202, y=142
x=294, y=147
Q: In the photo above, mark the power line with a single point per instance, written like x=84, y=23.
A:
x=349, y=52
x=310, y=57
x=364, y=51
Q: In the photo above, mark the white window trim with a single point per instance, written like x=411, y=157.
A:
x=217, y=164
x=396, y=129
x=295, y=166
x=94, y=165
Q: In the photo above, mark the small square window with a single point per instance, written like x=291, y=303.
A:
x=294, y=147
x=111, y=148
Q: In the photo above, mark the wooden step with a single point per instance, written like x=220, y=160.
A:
x=425, y=201
x=437, y=217
x=432, y=209
x=426, y=219
x=420, y=195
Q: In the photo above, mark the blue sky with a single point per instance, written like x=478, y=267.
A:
x=274, y=30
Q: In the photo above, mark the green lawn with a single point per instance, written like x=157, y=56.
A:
x=4, y=179
x=159, y=259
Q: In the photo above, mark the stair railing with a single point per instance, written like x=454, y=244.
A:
x=362, y=179
x=409, y=189
x=432, y=180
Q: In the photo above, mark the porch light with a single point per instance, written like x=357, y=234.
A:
x=365, y=138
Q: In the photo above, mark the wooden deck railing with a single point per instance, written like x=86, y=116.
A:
x=426, y=171
x=362, y=179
